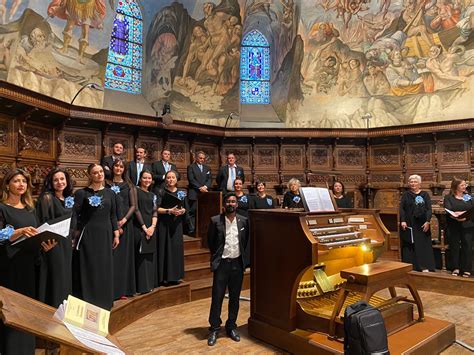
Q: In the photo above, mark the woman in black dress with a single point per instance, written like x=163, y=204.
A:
x=96, y=235
x=242, y=197
x=261, y=200
x=17, y=266
x=146, y=218
x=124, y=254
x=339, y=192
x=55, y=201
x=292, y=198
x=415, y=216
x=459, y=231
x=170, y=233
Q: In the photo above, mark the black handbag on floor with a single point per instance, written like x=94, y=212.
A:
x=364, y=330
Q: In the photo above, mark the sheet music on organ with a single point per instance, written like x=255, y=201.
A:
x=317, y=199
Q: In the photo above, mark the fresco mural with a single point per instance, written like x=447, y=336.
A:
x=55, y=47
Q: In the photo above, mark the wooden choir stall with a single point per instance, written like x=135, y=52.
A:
x=307, y=267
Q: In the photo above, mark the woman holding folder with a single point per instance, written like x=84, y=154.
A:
x=95, y=237
x=56, y=201
x=170, y=231
x=17, y=265
x=145, y=238
x=459, y=231
x=124, y=254
x=415, y=216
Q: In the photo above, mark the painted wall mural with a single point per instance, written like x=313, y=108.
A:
x=334, y=63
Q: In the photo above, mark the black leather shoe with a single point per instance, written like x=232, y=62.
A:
x=234, y=335
x=212, y=338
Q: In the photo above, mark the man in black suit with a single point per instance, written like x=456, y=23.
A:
x=108, y=161
x=160, y=168
x=227, y=236
x=200, y=181
x=227, y=174
x=136, y=167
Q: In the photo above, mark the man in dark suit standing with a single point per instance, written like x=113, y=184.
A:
x=227, y=174
x=160, y=168
x=200, y=182
x=108, y=161
x=227, y=236
x=136, y=167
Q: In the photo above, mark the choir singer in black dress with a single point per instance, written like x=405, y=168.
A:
x=96, y=235
x=17, y=266
x=459, y=231
x=339, y=192
x=170, y=232
x=292, y=198
x=415, y=216
x=242, y=198
x=146, y=218
x=227, y=238
x=261, y=200
x=56, y=200
x=124, y=254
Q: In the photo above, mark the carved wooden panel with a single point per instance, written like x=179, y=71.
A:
x=127, y=141
x=352, y=179
x=453, y=153
x=387, y=199
x=350, y=158
x=385, y=156
x=5, y=167
x=7, y=136
x=78, y=174
x=447, y=176
x=292, y=157
x=269, y=179
x=420, y=155
x=35, y=141
x=266, y=157
x=319, y=180
x=320, y=157
x=80, y=145
x=242, y=154
x=152, y=146
x=427, y=177
x=179, y=153
x=297, y=175
x=394, y=179
x=212, y=155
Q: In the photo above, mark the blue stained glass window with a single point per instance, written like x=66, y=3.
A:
x=255, y=69
x=124, y=63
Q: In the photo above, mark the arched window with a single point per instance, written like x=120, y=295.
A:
x=124, y=63
x=255, y=69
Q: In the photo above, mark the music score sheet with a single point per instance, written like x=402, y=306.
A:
x=317, y=199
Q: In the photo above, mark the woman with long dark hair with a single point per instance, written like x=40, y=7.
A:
x=242, y=197
x=459, y=231
x=17, y=265
x=55, y=201
x=170, y=233
x=339, y=192
x=124, y=254
x=146, y=218
x=96, y=235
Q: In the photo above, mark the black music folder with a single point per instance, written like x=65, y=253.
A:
x=169, y=201
x=469, y=214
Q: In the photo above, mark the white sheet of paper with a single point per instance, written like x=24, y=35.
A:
x=61, y=228
x=318, y=199
x=94, y=341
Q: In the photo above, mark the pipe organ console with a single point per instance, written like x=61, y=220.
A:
x=297, y=289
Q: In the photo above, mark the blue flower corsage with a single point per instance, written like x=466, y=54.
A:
x=270, y=201
x=181, y=195
x=419, y=200
x=6, y=232
x=95, y=201
x=243, y=199
x=155, y=199
x=69, y=202
x=116, y=189
x=466, y=197
x=296, y=199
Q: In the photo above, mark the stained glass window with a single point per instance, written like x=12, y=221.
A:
x=255, y=69
x=124, y=63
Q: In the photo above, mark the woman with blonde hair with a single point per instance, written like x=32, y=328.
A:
x=415, y=216
x=96, y=235
x=17, y=265
x=292, y=198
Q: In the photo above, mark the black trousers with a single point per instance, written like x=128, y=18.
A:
x=229, y=274
x=460, y=247
x=191, y=216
